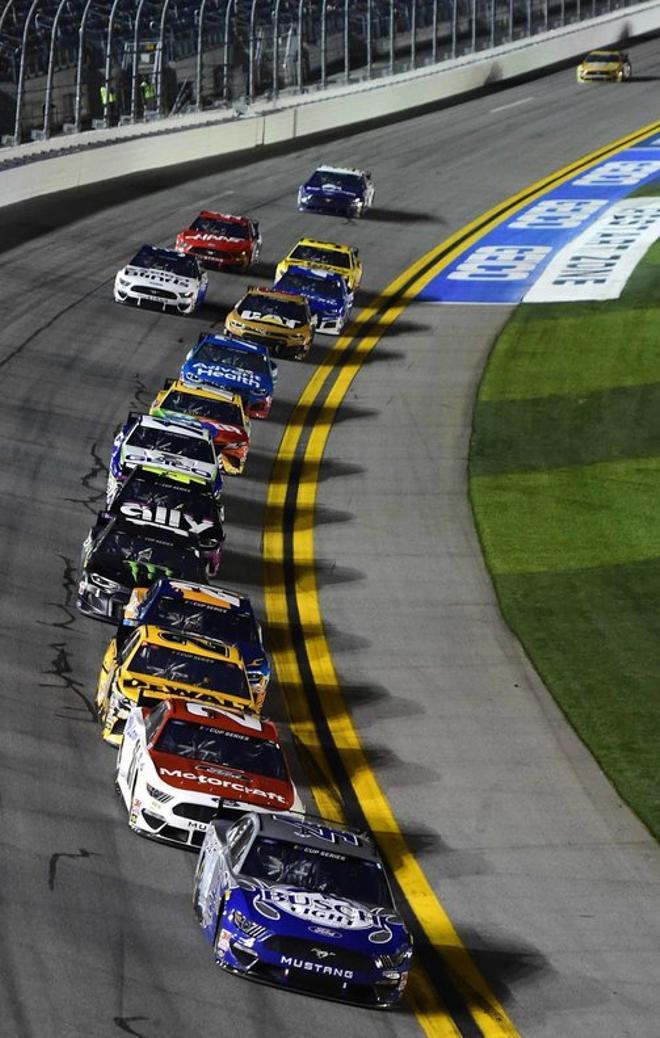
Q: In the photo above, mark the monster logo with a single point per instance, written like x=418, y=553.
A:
x=150, y=569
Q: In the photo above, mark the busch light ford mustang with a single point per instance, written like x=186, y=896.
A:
x=161, y=278
x=242, y=367
x=341, y=192
x=330, y=300
x=303, y=904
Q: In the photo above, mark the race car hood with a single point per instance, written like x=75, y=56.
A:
x=158, y=278
x=240, y=381
x=199, y=471
x=197, y=517
x=217, y=242
x=272, y=320
x=129, y=573
x=228, y=783
x=341, y=194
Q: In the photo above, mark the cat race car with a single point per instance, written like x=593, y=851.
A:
x=604, y=66
x=303, y=904
x=329, y=298
x=218, y=410
x=214, y=613
x=141, y=667
x=241, y=367
x=328, y=255
x=220, y=241
x=161, y=278
x=182, y=764
x=341, y=192
x=166, y=447
x=278, y=320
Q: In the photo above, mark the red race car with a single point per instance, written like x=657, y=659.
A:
x=220, y=241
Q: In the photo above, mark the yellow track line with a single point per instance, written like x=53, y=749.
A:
x=486, y=1010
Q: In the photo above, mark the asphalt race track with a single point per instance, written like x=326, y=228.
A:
x=547, y=876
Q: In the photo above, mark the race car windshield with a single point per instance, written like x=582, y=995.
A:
x=170, y=443
x=229, y=358
x=603, y=58
x=242, y=753
x=331, y=257
x=342, y=181
x=256, y=306
x=145, y=560
x=209, y=621
x=221, y=676
x=326, y=872
x=223, y=228
x=312, y=286
x=171, y=263
x=202, y=407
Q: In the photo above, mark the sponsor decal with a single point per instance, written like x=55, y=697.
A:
x=246, y=378
x=292, y=962
x=162, y=516
x=220, y=783
x=313, y=830
x=323, y=931
x=171, y=461
x=562, y=213
x=146, y=572
x=500, y=263
x=256, y=315
x=315, y=908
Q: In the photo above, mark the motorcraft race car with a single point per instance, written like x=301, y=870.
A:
x=162, y=278
x=141, y=667
x=119, y=555
x=604, y=66
x=342, y=192
x=328, y=255
x=218, y=410
x=302, y=904
x=241, y=367
x=167, y=447
x=214, y=613
x=155, y=502
x=221, y=241
x=183, y=764
x=278, y=320
x=330, y=300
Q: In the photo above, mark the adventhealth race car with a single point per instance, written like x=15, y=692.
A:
x=170, y=448
x=241, y=367
x=328, y=255
x=221, y=241
x=302, y=904
x=341, y=192
x=329, y=298
x=278, y=320
x=162, y=278
x=218, y=410
x=141, y=667
x=183, y=764
x=156, y=502
x=119, y=555
x=214, y=613
x=601, y=66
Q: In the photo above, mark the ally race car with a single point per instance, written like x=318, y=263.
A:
x=241, y=367
x=218, y=410
x=329, y=298
x=604, y=66
x=221, y=241
x=183, y=764
x=215, y=613
x=341, y=192
x=141, y=667
x=328, y=255
x=303, y=904
x=161, y=278
x=281, y=321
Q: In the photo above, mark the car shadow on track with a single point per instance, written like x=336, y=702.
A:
x=402, y=216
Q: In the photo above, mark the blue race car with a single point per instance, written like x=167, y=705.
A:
x=243, y=367
x=213, y=613
x=304, y=904
x=330, y=300
x=340, y=192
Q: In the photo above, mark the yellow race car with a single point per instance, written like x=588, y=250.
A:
x=218, y=410
x=324, y=255
x=604, y=66
x=144, y=665
x=281, y=321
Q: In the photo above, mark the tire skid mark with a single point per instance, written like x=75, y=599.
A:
x=97, y=468
x=54, y=859
x=61, y=668
x=68, y=586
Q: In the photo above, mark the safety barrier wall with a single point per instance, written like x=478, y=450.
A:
x=128, y=150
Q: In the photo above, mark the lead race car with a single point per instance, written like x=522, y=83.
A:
x=333, y=189
x=241, y=367
x=303, y=904
x=221, y=241
x=161, y=278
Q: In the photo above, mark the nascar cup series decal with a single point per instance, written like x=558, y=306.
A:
x=505, y=264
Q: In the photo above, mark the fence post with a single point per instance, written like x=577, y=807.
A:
x=160, y=57
x=20, y=88
x=276, y=49
x=227, y=85
x=77, y=112
x=324, y=44
x=51, y=63
x=391, y=69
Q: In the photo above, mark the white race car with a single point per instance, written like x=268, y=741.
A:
x=184, y=763
x=162, y=278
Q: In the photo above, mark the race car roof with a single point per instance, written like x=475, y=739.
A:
x=192, y=643
x=211, y=215
x=169, y=535
x=233, y=344
x=320, y=834
x=313, y=274
x=171, y=425
x=177, y=386
x=340, y=169
x=216, y=717
x=156, y=488
x=188, y=589
x=341, y=247
x=271, y=293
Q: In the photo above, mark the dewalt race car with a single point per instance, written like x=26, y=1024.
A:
x=281, y=321
x=141, y=667
x=604, y=66
x=218, y=410
x=328, y=255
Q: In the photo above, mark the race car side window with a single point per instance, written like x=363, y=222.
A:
x=128, y=646
x=238, y=838
x=154, y=721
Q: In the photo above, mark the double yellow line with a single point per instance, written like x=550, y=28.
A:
x=447, y=992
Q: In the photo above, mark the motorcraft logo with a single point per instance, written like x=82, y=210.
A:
x=245, y=378
x=162, y=516
x=223, y=783
x=315, y=967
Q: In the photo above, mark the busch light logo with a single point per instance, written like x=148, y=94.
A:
x=315, y=908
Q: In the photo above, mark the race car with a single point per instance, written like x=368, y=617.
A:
x=303, y=904
x=182, y=764
x=141, y=667
x=167, y=447
x=214, y=613
x=161, y=278
x=278, y=320
x=220, y=241
x=241, y=367
x=342, y=192
x=218, y=410
x=119, y=555
x=329, y=298
x=156, y=502
x=600, y=66
x=328, y=255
